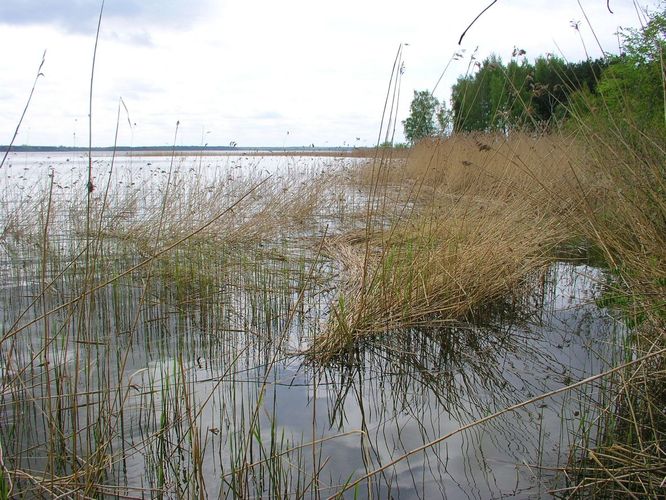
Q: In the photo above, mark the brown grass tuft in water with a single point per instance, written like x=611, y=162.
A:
x=480, y=215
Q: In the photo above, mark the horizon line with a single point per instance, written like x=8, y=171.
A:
x=30, y=148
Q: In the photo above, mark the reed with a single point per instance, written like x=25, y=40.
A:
x=627, y=224
x=189, y=319
x=176, y=279
x=153, y=319
x=468, y=232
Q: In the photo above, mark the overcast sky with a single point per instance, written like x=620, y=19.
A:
x=260, y=72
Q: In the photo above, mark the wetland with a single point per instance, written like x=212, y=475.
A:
x=291, y=326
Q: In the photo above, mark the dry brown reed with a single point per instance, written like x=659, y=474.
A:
x=629, y=221
x=482, y=214
x=524, y=164
x=622, y=453
x=276, y=207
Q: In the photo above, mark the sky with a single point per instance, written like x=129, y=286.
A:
x=261, y=72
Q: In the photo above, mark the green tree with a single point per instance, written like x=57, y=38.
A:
x=444, y=118
x=628, y=99
x=421, y=120
x=519, y=95
x=519, y=112
x=481, y=101
x=549, y=90
x=633, y=86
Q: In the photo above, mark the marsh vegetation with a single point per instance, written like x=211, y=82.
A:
x=246, y=326
x=481, y=314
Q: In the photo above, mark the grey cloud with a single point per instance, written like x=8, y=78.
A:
x=80, y=16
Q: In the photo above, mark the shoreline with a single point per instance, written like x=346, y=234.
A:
x=182, y=152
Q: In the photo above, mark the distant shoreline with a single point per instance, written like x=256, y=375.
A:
x=199, y=151
x=162, y=150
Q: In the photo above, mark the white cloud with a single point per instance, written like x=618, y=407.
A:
x=249, y=71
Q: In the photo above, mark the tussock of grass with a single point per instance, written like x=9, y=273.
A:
x=623, y=453
x=431, y=274
x=476, y=233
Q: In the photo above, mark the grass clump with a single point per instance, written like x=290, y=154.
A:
x=623, y=130
x=471, y=232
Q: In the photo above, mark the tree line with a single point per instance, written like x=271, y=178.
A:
x=518, y=95
x=524, y=95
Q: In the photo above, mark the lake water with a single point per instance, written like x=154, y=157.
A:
x=187, y=370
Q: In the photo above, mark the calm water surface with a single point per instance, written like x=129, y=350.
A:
x=231, y=338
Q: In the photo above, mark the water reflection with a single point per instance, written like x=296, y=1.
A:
x=181, y=377
x=211, y=359
x=409, y=388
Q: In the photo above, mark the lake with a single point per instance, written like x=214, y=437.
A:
x=156, y=336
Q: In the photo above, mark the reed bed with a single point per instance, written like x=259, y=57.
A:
x=479, y=216
x=150, y=330
x=148, y=327
x=622, y=452
x=194, y=280
x=150, y=319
